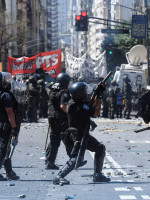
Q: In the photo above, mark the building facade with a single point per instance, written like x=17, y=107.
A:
x=52, y=24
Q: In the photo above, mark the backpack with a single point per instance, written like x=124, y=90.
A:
x=144, y=106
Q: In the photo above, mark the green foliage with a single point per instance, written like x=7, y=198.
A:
x=120, y=44
x=9, y=31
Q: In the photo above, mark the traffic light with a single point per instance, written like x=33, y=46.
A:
x=81, y=21
x=78, y=23
x=110, y=52
x=84, y=20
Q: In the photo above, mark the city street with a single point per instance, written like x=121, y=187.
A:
x=127, y=162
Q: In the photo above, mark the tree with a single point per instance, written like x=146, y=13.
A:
x=120, y=45
x=10, y=32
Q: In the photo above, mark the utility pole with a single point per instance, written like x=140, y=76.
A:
x=147, y=4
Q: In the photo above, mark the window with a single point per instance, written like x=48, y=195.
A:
x=138, y=80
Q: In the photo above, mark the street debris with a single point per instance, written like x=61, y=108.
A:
x=21, y=196
x=139, y=165
x=10, y=184
x=139, y=124
x=127, y=187
x=68, y=197
x=137, y=176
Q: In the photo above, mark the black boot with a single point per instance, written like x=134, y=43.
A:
x=10, y=174
x=99, y=177
x=51, y=166
x=51, y=154
x=98, y=165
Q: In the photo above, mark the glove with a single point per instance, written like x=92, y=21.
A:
x=14, y=132
x=14, y=141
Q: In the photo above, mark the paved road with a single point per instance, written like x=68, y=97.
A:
x=127, y=163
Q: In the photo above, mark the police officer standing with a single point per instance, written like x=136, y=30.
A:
x=8, y=127
x=43, y=98
x=127, y=95
x=32, y=100
x=79, y=113
x=57, y=117
x=113, y=98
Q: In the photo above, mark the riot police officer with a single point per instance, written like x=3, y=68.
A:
x=43, y=98
x=33, y=97
x=8, y=125
x=113, y=98
x=127, y=95
x=57, y=117
x=79, y=114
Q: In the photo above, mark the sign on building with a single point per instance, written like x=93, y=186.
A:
x=138, y=28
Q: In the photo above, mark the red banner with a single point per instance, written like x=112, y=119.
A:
x=48, y=61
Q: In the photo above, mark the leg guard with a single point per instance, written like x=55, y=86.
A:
x=99, y=158
x=69, y=166
x=98, y=165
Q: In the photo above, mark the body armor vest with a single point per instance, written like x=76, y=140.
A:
x=54, y=104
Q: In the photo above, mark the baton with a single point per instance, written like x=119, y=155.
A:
x=142, y=129
x=14, y=143
x=47, y=136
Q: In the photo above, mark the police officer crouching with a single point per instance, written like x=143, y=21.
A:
x=8, y=129
x=79, y=114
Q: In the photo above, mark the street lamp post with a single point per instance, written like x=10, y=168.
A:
x=147, y=4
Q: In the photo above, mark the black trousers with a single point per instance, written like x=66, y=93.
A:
x=4, y=139
x=58, y=127
x=93, y=145
x=128, y=108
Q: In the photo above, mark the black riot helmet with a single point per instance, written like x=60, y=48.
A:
x=5, y=80
x=78, y=91
x=63, y=79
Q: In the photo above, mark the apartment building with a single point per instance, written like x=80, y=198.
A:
x=118, y=10
x=22, y=17
x=2, y=55
x=52, y=24
x=63, y=32
x=121, y=10
x=95, y=37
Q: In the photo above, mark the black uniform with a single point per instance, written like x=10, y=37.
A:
x=7, y=100
x=79, y=115
x=58, y=124
x=127, y=93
